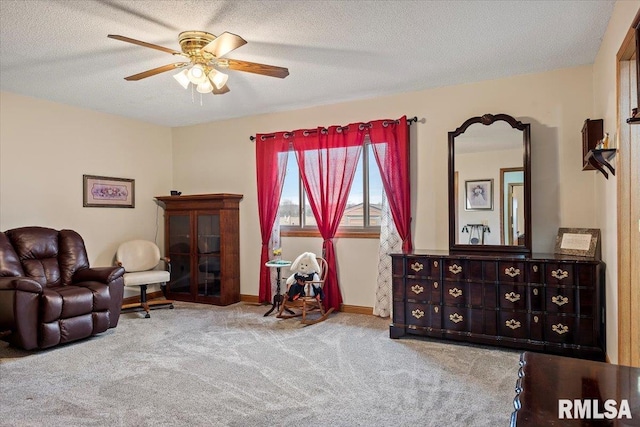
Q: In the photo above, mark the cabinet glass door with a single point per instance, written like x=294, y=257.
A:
x=179, y=253
x=209, y=271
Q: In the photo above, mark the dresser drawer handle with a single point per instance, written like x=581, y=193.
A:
x=535, y=291
x=535, y=319
x=435, y=264
x=560, y=329
x=455, y=268
x=416, y=266
x=456, y=318
x=435, y=285
x=417, y=289
x=513, y=324
x=417, y=313
x=560, y=274
x=559, y=300
x=512, y=296
x=512, y=272
x=436, y=309
x=535, y=268
x=455, y=292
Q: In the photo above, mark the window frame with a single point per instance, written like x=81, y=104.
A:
x=368, y=231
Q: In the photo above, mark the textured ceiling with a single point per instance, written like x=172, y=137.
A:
x=335, y=50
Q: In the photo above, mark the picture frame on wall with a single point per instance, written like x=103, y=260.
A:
x=479, y=195
x=578, y=241
x=107, y=192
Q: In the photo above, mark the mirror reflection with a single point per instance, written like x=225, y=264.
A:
x=489, y=190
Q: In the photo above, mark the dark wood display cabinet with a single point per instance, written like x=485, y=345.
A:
x=202, y=239
x=546, y=303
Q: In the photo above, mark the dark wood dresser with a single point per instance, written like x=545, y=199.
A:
x=547, y=303
x=561, y=391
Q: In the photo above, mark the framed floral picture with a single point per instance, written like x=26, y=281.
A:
x=479, y=194
x=107, y=192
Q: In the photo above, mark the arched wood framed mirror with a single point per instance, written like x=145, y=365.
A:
x=490, y=186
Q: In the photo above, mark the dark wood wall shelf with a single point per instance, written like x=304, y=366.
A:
x=599, y=159
x=592, y=134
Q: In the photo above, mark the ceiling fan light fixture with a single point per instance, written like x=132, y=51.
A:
x=196, y=74
x=205, y=87
x=182, y=78
x=218, y=79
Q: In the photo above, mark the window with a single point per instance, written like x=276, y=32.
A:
x=363, y=212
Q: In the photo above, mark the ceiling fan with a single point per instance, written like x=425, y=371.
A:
x=205, y=54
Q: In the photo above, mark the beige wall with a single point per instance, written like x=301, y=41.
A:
x=604, y=107
x=219, y=157
x=45, y=148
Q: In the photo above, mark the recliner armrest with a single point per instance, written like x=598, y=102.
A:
x=19, y=284
x=98, y=274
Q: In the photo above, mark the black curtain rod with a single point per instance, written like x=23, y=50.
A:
x=410, y=121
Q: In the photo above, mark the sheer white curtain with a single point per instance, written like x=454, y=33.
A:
x=274, y=243
x=390, y=242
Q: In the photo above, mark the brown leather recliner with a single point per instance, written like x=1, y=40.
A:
x=48, y=293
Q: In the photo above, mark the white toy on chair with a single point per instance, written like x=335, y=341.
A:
x=304, y=269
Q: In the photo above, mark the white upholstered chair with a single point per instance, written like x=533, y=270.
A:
x=141, y=259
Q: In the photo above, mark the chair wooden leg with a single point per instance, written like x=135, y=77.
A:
x=323, y=316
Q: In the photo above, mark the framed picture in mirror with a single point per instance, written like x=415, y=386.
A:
x=479, y=194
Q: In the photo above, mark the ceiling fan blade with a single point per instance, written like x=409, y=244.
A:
x=155, y=71
x=253, y=67
x=224, y=43
x=145, y=44
x=224, y=89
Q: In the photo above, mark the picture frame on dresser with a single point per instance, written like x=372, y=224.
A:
x=578, y=241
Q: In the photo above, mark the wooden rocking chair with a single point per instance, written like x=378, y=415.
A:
x=307, y=304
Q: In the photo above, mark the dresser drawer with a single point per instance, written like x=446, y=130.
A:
x=417, y=314
x=588, y=275
x=559, y=274
x=513, y=297
x=535, y=272
x=535, y=296
x=587, y=302
x=560, y=329
x=422, y=266
x=560, y=299
x=455, y=318
x=423, y=290
x=455, y=293
x=482, y=321
x=511, y=272
x=513, y=324
x=536, y=326
x=423, y=315
x=454, y=269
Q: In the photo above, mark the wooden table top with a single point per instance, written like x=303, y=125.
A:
x=564, y=391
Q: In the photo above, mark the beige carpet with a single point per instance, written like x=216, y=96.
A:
x=200, y=365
